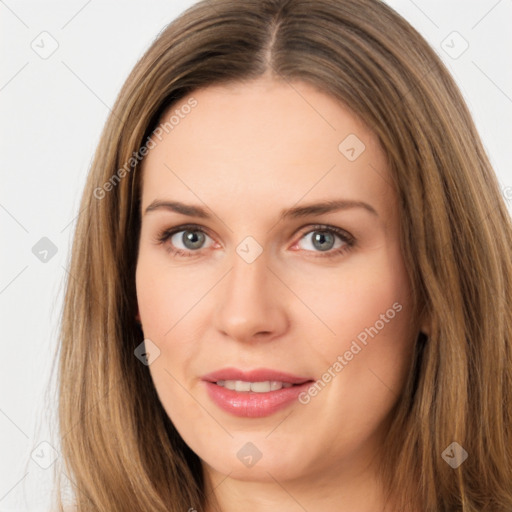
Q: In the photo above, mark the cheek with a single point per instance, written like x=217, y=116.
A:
x=165, y=294
x=363, y=362
x=161, y=307
x=366, y=311
x=353, y=297
x=169, y=301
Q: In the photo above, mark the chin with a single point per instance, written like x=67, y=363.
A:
x=265, y=469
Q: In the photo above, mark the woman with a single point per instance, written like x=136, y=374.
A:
x=291, y=280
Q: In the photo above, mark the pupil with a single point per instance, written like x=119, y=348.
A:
x=193, y=239
x=321, y=237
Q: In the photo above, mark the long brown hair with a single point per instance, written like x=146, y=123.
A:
x=120, y=449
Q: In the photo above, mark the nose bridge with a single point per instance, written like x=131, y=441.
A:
x=248, y=279
x=249, y=302
x=247, y=290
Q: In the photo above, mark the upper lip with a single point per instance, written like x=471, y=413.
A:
x=256, y=375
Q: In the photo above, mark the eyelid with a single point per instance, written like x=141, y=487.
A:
x=185, y=227
x=343, y=234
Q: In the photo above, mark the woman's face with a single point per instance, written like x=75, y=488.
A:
x=282, y=258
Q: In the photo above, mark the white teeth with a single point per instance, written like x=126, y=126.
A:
x=240, y=385
x=265, y=387
x=257, y=387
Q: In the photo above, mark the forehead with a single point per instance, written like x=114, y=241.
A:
x=267, y=144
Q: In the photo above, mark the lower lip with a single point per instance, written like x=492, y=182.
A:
x=248, y=404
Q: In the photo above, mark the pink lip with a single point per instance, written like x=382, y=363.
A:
x=257, y=375
x=249, y=404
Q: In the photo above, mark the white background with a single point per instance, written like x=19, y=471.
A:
x=51, y=115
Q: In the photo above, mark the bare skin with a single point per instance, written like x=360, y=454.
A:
x=245, y=153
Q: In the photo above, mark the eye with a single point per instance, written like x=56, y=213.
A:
x=189, y=240
x=184, y=240
x=328, y=240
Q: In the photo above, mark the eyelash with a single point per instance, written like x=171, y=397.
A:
x=349, y=241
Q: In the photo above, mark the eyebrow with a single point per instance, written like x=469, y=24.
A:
x=294, y=212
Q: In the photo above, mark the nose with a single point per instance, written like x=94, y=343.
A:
x=251, y=302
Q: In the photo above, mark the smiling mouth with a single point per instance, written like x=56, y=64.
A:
x=256, y=387
x=254, y=393
x=254, y=399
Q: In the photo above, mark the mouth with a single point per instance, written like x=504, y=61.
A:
x=260, y=377
x=256, y=387
x=256, y=393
